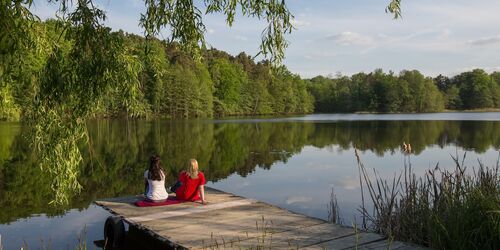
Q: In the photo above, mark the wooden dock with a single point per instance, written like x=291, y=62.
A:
x=234, y=222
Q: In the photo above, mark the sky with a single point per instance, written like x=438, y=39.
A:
x=350, y=36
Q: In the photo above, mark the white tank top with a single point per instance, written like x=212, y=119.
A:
x=156, y=189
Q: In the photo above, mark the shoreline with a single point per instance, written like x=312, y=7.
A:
x=270, y=116
x=443, y=111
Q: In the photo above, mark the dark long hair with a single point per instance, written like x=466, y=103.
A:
x=155, y=170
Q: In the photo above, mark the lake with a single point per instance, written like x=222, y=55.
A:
x=292, y=162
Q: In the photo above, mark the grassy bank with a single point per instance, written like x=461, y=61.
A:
x=473, y=110
x=457, y=209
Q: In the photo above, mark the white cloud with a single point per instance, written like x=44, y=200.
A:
x=428, y=34
x=298, y=199
x=485, y=41
x=242, y=184
x=460, y=12
x=318, y=55
x=299, y=23
x=347, y=38
x=429, y=40
x=349, y=183
x=320, y=166
x=473, y=67
x=211, y=31
x=241, y=38
x=136, y=3
x=444, y=34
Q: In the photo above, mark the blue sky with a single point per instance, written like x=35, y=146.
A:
x=350, y=36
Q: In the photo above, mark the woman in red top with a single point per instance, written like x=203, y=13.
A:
x=193, y=181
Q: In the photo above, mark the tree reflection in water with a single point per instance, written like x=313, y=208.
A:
x=118, y=151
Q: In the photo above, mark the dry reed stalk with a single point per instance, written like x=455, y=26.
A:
x=442, y=209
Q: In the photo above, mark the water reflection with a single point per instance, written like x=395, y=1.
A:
x=228, y=152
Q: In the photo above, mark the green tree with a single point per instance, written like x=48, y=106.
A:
x=475, y=89
x=361, y=92
x=283, y=89
x=385, y=97
x=453, y=100
x=323, y=90
x=256, y=96
x=423, y=96
x=495, y=88
x=343, y=94
x=155, y=67
x=228, y=81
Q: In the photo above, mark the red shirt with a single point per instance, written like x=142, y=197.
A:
x=189, y=188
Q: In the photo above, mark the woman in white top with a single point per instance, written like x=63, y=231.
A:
x=154, y=177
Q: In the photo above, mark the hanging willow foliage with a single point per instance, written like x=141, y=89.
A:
x=184, y=19
x=70, y=86
x=73, y=78
x=394, y=8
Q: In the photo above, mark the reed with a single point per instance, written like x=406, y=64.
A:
x=457, y=209
x=82, y=242
x=333, y=209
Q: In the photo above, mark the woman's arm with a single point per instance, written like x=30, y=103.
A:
x=201, y=189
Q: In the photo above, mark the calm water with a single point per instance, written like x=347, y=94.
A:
x=292, y=162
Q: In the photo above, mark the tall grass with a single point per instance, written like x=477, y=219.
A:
x=444, y=209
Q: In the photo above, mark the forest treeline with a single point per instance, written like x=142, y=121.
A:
x=410, y=91
x=164, y=81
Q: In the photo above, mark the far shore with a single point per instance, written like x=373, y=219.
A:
x=443, y=111
x=123, y=115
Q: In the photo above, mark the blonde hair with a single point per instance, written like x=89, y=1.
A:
x=192, y=168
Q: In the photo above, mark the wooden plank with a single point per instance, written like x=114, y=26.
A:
x=189, y=211
x=208, y=228
x=358, y=239
x=300, y=237
x=251, y=214
x=231, y=221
